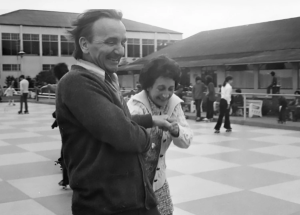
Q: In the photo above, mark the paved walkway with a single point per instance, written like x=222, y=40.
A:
x=252, y=171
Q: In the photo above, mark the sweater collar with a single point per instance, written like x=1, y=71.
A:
x=92, y=68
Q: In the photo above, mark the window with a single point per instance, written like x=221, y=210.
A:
x=50, y=45
x=11, y=67
x=133, y=47
x=284, y=78
x=47, y=67
x=31, y=44
x=67, y=46
x=243, y=79
x=148, y=47
x=10, y=44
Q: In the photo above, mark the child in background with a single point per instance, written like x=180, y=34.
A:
x=9, y=92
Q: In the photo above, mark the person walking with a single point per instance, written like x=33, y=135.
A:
x=198, y=94
x=211, y=98
x=24, y=84
x=225, y=101
x=102, y=144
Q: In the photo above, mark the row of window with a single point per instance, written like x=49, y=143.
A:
x=133, y=46
x=17, y=67
x=31, y=45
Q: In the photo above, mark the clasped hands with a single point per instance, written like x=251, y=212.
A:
x=167, y=124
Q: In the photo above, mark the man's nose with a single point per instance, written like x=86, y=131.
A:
x=119, y=49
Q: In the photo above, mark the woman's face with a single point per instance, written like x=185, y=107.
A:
x=230, y=82
x=161, y=91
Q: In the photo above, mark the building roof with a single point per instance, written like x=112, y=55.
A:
x=239, y=45
x=64, y=19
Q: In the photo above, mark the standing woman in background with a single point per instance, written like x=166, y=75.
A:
x=211, y=98
x=226, y=91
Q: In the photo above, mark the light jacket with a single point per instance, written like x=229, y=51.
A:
x=139, y=104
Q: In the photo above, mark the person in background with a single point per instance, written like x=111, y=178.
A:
x=198, y=95
x=59, y=71
x=294, y=107
x=24, y=84
x=273, y=83
x=1, y=93
x=238, y=101
x=159, y=80
x=226, y=91
x=211, y=98
x=9, y=92
x=282, y=110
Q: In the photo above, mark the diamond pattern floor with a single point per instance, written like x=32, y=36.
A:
x=252, y=171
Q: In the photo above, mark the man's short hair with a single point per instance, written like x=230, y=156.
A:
x=157, y=67
x=22, y=76
x=272, y=73
x=84, y=23
x=60, y=70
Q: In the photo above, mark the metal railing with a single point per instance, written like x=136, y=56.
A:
x=259, y=95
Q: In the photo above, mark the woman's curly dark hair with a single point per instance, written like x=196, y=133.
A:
x=161, y=66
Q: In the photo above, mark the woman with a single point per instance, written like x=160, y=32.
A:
x=159, y=80
x=211, y=98
x=226, y=91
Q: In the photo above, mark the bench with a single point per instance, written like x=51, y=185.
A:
x=254, y=107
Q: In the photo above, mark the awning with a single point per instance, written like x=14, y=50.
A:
x=287, y=55
x=290, y=55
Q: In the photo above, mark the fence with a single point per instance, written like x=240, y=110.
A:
x=260, y=95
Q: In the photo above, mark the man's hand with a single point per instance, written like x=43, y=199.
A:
x=161, y=122
x=174, y=129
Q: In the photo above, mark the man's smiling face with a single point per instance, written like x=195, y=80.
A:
x=107, y=45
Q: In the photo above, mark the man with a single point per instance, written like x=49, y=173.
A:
x=273, y=83
x=198, y=94
x=102, y=145
x=24, y=84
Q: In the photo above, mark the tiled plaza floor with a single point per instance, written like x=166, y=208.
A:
x=252, y=171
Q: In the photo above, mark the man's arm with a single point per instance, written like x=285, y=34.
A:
x=21, y=87
x=93, y=108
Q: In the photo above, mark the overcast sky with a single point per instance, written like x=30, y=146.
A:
x=186, y=16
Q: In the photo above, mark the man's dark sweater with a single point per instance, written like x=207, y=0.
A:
x=102, y=147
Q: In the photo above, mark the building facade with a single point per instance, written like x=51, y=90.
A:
x=248, y=53
x=34, y=41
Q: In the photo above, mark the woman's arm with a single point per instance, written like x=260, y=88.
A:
x=185, y=134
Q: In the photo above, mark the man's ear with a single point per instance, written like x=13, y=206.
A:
x=84, y=45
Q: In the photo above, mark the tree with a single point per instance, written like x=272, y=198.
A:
x=31, y=81
x=11, y=80
x=45, y=77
